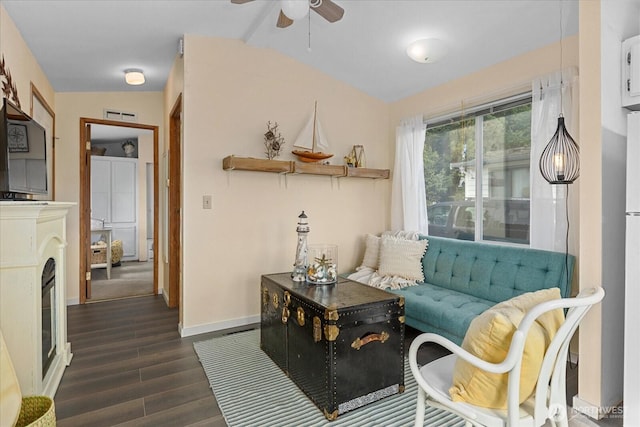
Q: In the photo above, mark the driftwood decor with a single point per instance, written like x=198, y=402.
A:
x=9, y=88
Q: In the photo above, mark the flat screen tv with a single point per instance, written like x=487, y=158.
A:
x=23, y=155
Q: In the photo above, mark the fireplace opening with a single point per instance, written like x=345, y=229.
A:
x=48, y=314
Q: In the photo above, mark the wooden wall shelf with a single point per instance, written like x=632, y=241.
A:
x=368, y=173
x=258, y=165
x=284, y=166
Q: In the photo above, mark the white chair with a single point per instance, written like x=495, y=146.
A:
x=549, y=399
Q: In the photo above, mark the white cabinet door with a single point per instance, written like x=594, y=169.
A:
x=124, y=184
x=101, y=188
x=114, y=197
x=123, y=191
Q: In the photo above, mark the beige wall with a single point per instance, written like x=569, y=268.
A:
x=231, y=90
x=70, y=106
x=25, y=72
x=590, y=198
x=21, y=63
x=501, y=80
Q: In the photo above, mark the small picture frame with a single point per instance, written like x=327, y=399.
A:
x=18, y=138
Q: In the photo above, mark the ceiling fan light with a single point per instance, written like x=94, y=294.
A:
x=427, y=51
x=134, y=77
x=295, y=9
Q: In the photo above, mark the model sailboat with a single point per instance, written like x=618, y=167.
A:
x=312, y=140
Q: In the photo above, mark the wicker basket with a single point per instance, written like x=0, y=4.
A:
x=116, y=251
x=37, y=411
x=98, y=151
x=99, y=253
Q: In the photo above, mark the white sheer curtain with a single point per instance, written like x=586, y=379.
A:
x=408, y=198
x=548, y=216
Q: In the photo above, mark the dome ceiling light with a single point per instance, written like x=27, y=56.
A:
x=427, y=51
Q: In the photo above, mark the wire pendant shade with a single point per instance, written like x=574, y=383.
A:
x=560, y=160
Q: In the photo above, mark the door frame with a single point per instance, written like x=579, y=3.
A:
x=85, y=199
x=174, y=183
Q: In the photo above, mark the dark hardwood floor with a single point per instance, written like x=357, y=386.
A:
x=131, y=368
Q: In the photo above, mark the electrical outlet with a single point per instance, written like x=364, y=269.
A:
x=206, y=201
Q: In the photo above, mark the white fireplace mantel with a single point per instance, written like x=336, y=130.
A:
x=30, y=234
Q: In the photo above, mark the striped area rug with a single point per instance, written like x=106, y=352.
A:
x=253, y=392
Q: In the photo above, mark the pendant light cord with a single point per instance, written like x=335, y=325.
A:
x=566, y=237
x=561, y=55
x=566, y=264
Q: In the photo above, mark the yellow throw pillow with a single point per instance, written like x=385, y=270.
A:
x=489, y=337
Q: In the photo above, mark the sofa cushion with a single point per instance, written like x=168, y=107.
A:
x=444, y=309
x=494, y=272
x=489, y=338
x=402, y=257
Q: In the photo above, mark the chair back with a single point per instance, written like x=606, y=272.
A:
x=550, y=394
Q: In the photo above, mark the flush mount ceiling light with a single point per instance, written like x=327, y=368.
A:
x=134, y=77
x=295, y=9
x=427, y=51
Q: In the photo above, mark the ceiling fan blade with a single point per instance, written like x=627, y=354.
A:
x=283, y=21
x=240, y=1
x=329, y=11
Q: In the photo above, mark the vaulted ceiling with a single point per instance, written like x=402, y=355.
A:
x=85, y=45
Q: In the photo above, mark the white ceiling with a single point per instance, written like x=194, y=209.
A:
x=85, y=45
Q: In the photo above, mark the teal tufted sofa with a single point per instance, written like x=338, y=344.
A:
x=463, y=279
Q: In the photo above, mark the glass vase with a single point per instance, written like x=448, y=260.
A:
x=323, y=264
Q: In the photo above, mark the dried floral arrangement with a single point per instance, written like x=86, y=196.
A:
x=273, y=141
x=9, y=88
x=355, y=158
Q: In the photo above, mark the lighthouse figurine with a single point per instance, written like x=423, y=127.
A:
x=299, y=273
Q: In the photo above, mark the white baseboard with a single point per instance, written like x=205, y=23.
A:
x=596, y=412
x=217, y=326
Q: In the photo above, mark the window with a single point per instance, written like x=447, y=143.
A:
x=482, y=152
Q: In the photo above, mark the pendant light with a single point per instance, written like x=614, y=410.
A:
x=560, y=160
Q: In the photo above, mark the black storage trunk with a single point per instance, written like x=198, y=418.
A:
x=342, y=344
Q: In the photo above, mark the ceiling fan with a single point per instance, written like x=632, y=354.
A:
x=291, y=10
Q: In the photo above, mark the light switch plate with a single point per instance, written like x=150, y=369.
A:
x=206, y=201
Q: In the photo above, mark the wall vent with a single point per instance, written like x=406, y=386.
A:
x=122, y=116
